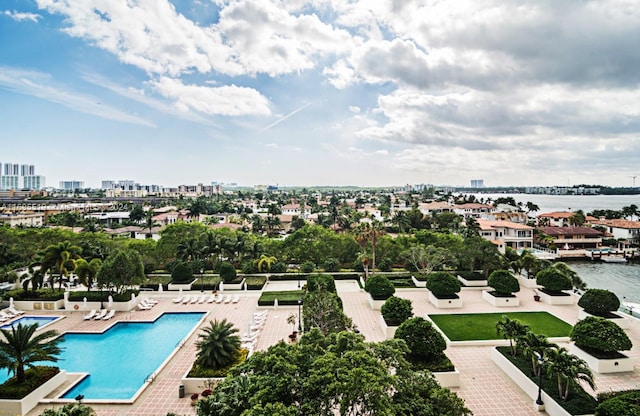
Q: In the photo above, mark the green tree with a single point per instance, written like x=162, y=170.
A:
x=535, y=346
x=569, y=370
x=503, y=282
x=599, y=302
x=425, y=259
x=379, y=287
x=87, y=271
x=22, y=347
x=426, y=344
x=218, y=345
x=121, y=269
x=70, y=409
x=443, y=284
x=182, y=272
x=227, y=272
x=136, y=214
x=61, y=258
x=396, y=310
x=553, y=280
x=513, y=330
x=600, y=335
x=322, y=309
x=265, y=262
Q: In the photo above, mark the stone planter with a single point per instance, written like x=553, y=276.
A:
x=234, y=286
x=418, y=283
x=529, y=387
x=621, y=321
x=178, y=286
x=445, y=303
x=603, y=366
x=25, y=405
x=511, y=301
x=388, y=331
x=566, y=299
x=448, y=378
x=198, y=385
x=376, y=305
x=472, y=283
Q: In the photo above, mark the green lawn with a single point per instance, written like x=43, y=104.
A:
x=288, y=297
x=482, y=326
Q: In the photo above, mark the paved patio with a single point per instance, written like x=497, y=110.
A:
x=484, y=387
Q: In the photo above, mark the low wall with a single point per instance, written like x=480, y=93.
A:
x=472, y=283
x=445, y=303
x=376, y=305
x=39, y=305
x=388, y=331
x=418, y=283
x=24, y=406
x=556, y=300
x=448, y=378
x=603, y=366
x=500, y=301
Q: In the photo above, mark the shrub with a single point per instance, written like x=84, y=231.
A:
x=35, y=377
x=396, y=310
x=379, y=287
x=278, y=267
x=331, y=265
x=599, y=302
x=181, y=272
x=424, y=341
x=443, y=284
x=249, y=267
x=553, y=280
x=325, y=282
x=227, y=272
x=503, y=282
x=307, y=267
x=358, y=266
x=627, y=404
x=385, y=265
x=600, y=334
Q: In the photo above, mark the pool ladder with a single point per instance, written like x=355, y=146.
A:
x=150, y=378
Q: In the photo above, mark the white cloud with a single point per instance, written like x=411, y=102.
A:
x=20, y=16
x=226, y=100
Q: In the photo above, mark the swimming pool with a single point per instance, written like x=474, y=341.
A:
x=42, y=321
x=119, y=360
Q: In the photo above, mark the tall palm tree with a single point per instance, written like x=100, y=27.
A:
x=87, y=271
x=535, y=345
x=568, y=369
x=218, y=345
x=22, y=348
x=62, y=258
x=189, y=250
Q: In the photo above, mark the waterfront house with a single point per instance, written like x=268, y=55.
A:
x=621, y=229
x=474, y=210
x=559, y=219
x=506, y=234
x=569, y=241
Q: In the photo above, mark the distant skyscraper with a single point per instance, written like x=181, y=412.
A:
x=477, y=183
x=20, y=177
x=71, y=185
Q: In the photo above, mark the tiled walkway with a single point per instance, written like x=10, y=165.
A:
x=485, y=389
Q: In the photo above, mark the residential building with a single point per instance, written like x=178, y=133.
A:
x=506, y=234
x=559, y=219
x=570, y=240
x=20, y=177
x=474, y=210
x=23, y=220
x=71, y=185
x=621, y=229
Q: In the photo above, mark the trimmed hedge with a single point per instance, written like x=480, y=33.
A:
x=599, y=302
x=286, y=297
x=553, y=280
x=443, y=284
x=95, y=296
x=600, y=335
x=40, y=294
x=503, y=282
x=379, y=287
x=396, y=310
x=35, y=377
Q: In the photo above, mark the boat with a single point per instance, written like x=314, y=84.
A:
x=613, y=259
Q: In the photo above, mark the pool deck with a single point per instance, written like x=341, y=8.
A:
x=484, y=387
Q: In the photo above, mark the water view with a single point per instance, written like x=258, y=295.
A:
x=623, y=279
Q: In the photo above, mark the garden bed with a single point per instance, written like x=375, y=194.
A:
x=499, y=300
x=285, y=297
x=482, y=326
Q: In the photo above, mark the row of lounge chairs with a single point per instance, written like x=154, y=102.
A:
x=250, y=339
x=219, y=298
x=103, y=314
x=146, y=304
x=9, y=313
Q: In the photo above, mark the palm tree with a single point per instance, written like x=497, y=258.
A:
x=148, y=221
x=368, y=234
x=87, y=271
x=22, y=347
x=568, y=369
x=471, y=227
x=511, y=329
x=62, y=258
x=265, y=262
x=535, y=345
x=401, y=220
x=189, y=250
x=218, y=346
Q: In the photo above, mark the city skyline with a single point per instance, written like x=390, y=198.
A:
x=321, y=92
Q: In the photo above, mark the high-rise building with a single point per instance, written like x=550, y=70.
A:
x=20, y=177
x=477, y=183
x=71, y=185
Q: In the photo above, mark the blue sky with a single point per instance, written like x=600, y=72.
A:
x=324, y=92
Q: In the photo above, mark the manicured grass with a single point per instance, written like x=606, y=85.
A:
x=287, y=297
x=482, y=326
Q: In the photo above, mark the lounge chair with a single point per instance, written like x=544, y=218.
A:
x=110, y=315
x=235, y=299
x=202, y=298
x=143, y=306
x=146, y=303
x=219, y=298
x=90, y=315
x=14, y=311
x=194, y=299
x=150, y=301
x=211, y=299
x=177, y=300
x=227, y=299
x=101, y=315
x=186, y=299
x=6, y=314
x=3, y=319
x=261, y=314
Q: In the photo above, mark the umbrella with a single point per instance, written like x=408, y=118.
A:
x=245, y=286
x=84, y=304
x=275, y=303
x=160, y=289
x=221, y=286
x=11, y=302
x=110, y=301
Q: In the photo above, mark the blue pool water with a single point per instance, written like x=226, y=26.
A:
x=30, y=320
x=119, y=360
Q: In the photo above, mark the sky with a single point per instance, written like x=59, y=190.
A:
x=322, y=92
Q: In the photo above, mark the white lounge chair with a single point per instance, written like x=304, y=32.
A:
x=219, y=298
x=146, y=303
x=143, y=307
x=186, y=299
x=235, y=299
x=3, y=319
x=194, y=299
x=261, y=314
x=177, y=300
x=150, y=301
x=90, y=315
x=14, y=311
x=211, y=299
x=110, y=315
x=6, y=314
x=101, y=314
x=202, y=298
x=227, y=299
